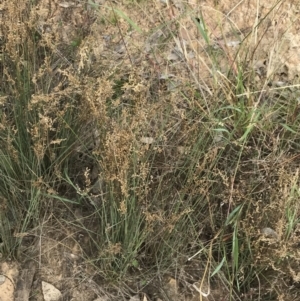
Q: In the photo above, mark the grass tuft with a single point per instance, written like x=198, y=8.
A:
x=167, y=134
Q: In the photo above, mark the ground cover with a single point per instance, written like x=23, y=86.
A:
x=150, y=150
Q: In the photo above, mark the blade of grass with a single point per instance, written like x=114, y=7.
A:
x=130, y=21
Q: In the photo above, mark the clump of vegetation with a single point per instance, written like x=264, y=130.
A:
x=172, y=144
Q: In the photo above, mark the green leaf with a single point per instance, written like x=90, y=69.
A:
x=93, y=4
x=235, y=249
x=60, y=198
x=135, y=263
x=288, y=128
x=217, y=269
x=221, y=130
x=229, y=108
x=232, y=215
x=134, y=25
x=202, y=28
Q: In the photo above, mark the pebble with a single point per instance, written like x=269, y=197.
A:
x=2, y=279
x=269, y=232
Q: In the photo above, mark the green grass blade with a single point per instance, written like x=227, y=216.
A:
x=288, y=128
x=202, y=29
x=233, y=215
x=125, y=17
x=218, y=268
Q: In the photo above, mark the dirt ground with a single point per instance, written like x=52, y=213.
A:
x=57, y=252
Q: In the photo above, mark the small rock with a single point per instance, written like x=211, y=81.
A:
x=2, y=279
x=50, y=292
x=269, y=232
x=147, y=140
